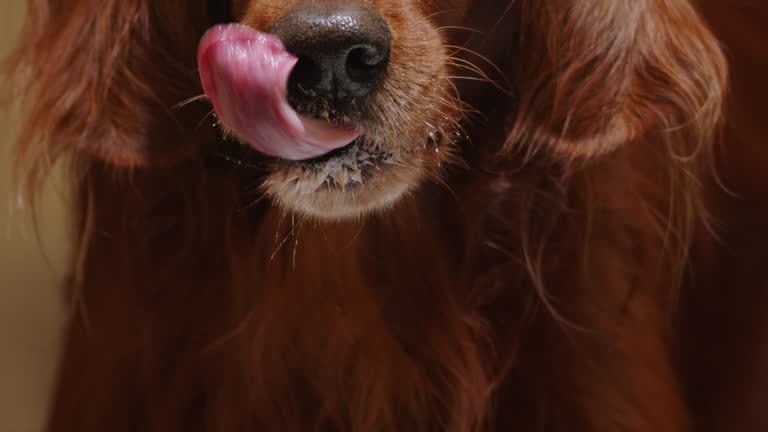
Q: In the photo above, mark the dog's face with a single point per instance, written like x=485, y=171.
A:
x=377, y=69
x=382, y=79
x=367, y=97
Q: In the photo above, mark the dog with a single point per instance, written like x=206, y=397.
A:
x=374, y=215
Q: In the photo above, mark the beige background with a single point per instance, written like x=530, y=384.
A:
x=31, y=267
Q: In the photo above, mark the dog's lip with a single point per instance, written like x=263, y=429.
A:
x=245, y=75
x=330, y=156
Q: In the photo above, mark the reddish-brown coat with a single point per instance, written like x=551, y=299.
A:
x=534, y=291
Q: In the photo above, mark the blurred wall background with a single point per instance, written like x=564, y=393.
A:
x=31, y=269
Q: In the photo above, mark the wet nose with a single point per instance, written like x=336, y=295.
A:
x=343, y=52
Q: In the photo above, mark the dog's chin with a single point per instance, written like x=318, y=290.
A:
x=351, y=182
x=335, y=159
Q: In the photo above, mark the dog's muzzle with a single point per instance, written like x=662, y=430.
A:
x=289, y=93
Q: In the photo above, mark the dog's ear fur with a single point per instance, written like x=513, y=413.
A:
x=594, y=75
x=103, y=77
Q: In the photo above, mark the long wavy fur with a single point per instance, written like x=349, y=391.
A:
x=532, y=289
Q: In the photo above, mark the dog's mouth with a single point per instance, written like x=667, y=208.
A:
x=245, y=75
x=323, y=162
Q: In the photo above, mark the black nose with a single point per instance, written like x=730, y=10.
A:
x=343, y=52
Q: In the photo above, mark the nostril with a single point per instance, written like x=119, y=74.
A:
x=307, y=77
x=342, y=52
x=365, y=64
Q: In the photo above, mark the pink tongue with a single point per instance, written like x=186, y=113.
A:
x=245, y=75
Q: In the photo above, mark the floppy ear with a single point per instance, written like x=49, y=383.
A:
x=595, y=74
x=103, y=77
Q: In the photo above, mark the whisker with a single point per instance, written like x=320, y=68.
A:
x=193, y=99
x=468, y=65
x=460, y=28
x=457, y=94
x=454, y=122
x=239, y=162
x=473, y=68
x=439, y=12
x=469, y=78
x=462, y=107
x=283, y=216
x=463, y=110
x=280, y=246
x=297, y=228
x=458, y=103
x=253, y=203
x=205, y=117
x=351, y=242
x=477, y=54
x=506, y=12
x=439, y=180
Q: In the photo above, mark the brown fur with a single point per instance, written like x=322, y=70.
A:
x=723, y=318
x=530, y=287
